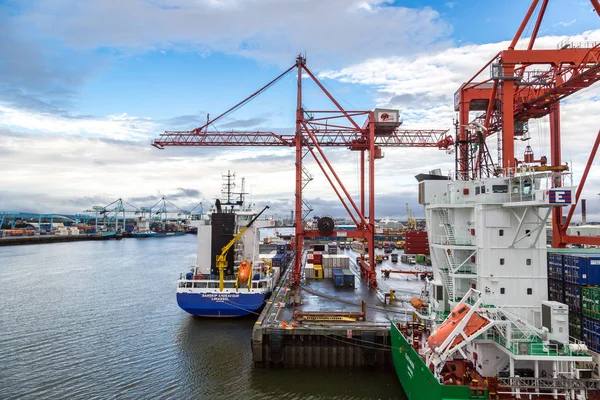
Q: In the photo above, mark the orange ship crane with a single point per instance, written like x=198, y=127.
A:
x=316, y=129
x=523, y=85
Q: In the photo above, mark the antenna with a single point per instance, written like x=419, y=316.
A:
x=227, y=187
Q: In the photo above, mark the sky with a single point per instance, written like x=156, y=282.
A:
x=86, y=86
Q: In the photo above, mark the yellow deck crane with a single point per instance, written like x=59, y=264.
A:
x=222, y=258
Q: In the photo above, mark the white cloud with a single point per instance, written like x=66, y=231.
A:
x=70, y=157
x=269, y=30
x=564, y=24
x=422, y=87
x=123, y=127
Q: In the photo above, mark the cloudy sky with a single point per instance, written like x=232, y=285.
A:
x=85, y=86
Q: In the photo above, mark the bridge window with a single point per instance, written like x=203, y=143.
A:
x=500, y=188
x=528, y=261
x=502, y=290
x=527, y=232
x=501, y=232
x=529, y=291
x=502, y=261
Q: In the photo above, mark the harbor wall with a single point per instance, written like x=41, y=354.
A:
x=322, y=348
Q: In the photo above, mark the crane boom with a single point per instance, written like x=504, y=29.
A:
x=329, y=138
x=222, y=258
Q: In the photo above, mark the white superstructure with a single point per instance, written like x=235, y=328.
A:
x=488, y=248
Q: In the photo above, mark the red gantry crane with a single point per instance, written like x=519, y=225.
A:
x=316, y=129
x=526, y=84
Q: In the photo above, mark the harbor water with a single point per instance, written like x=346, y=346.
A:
x=99, y=320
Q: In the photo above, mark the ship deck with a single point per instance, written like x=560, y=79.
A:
x=335, y=336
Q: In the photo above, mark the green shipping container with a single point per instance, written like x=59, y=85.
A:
x=590, y=302
x=574, y=251
x=575, y=326
x=420, y=258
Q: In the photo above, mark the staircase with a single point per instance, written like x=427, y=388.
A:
x=450, y=261
x=448, y=229
x=503, y=365
x=447, y=281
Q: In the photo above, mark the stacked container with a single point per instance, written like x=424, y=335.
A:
x=416, y=243
x=318, y=272
x=337, y=276
x=309, y=271
x=331, y=261
x=590, y=302
x=348, y=278
x=573, y=279
x=332, y=248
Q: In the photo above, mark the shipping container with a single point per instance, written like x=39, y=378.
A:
x=555, y=266
x=337, y=275
x=348, y=278
x=556, y=290
x=575, y=321
x=591, y=333
x=590, y=302
x=582, y=269
x=282, y=247
x=318, y=272
x=318, y=257
x=573, y=297
x=309, y=271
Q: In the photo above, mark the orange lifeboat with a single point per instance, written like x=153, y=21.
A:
x=475, y=323
x=244, y=271
x=416, y=303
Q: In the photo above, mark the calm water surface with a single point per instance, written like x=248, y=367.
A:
x=99, y=320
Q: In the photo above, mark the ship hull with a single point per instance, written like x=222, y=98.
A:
x=416, y=379
x=217, y=304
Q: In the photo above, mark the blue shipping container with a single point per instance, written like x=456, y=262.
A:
x=348, y=278
x=573, y=297
x=590, y=332
x=556, y=290
x=582, y=269
x=338, y=277
x=555, y=266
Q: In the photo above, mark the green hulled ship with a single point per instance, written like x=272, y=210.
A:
x=483, y=326
x=417, y=380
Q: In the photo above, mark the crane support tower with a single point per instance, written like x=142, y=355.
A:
x=525, y=84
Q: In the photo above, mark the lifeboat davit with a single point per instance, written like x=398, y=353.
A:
x=244, y=271
x=475, y=323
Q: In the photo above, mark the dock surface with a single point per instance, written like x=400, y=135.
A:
x=281, y=340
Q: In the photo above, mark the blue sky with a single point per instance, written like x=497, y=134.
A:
x=90, y=83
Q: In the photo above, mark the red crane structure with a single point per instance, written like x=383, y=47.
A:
x=316, y=129
x=526, y=84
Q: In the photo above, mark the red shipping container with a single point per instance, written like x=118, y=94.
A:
x=318, y=257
